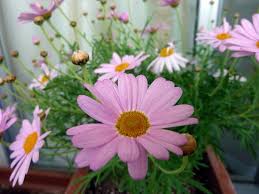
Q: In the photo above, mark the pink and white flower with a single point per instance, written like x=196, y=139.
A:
x=26, y=149
x=37, y=9
x=7, y=118
x=133, y=118
x=218, y=37
x=118, y=65
x=168, y=58
x=245, y=38
x=42, y=81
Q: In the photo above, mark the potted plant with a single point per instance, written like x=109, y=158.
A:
x=136, y=114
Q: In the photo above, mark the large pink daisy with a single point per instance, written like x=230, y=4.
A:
x=7, y=118
x=218, y=37
x=133, y=118
x=245, y=38
x=26, y=148
x=118, y=65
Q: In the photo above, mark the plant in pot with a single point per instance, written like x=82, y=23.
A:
x=135, y=114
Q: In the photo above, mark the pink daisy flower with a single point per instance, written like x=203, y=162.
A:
x=218, y=37
x=39, y=10
x=26, y=149
x=124, y=17
x=7, y=118
x=118, y=65
x=42, y=81
x=172, y=3
x=129, y=126
x=245, y=38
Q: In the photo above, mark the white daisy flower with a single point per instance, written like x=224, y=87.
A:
x=168, y=58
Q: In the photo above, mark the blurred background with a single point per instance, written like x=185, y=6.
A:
x=196, y=14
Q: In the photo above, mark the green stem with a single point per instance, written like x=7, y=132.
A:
x=181, y=28
x=49, y=40
x=171, y=172
x=57, y=32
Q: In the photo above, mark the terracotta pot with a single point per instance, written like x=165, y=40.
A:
x=216, y=176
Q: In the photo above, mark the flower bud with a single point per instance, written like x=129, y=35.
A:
x=113, y=7
x=190, y=146
x=85, y=14
x=175, y=3
x=14, y=53
x=73, y=24
x=1, y=59
x=43, y=53
x=2, y=81
x=100, y=17
x=42, y=115
x=9, y=78
x=80, y=58
x=212, y=2
x=47, y=15
x=103, y=2
x=38, y=20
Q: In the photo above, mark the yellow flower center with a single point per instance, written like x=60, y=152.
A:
x=257, y=44
x=166, y=52
x=30, y=142
x=44, y=79
x=223, y=36
x=132, y=124
x=121, y=67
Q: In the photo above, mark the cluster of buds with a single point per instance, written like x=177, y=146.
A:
x=7, y=79
x=80, y=58
x=190, y=146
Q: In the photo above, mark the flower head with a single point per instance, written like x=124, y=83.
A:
x=172, y=3
x=118, y=65
x=37, y=9
x=169, y=58
x=245, y=38
x=151, y=29
x=129, y=126
x=26, y=149
x=7, y=118
x=124, y=17
x=43, y=79
x=218, y=37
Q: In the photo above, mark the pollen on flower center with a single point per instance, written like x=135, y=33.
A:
x=44, y=79
x=30, y=142
x=166, y=52
x=132, y=124
x=223, y=36
x=121, y=67
x=257, y=44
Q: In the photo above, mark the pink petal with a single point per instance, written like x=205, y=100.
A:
x=168, y=136
x=138, y=168
x=189, y=121
x=85, y=156
x=94, y=138
x=105, y=154
x=142, y=89
x=153, y=148
x=86, y=128
x=96, y=110
x=128, y=150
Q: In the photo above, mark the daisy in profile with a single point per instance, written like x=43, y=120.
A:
x=128, y=125
x=37, y=9
x=118, y=65
x=43, y=79
x=217, y=38
x=7, y=118
x=26, y=149
x=169, y=59
x=245, y=38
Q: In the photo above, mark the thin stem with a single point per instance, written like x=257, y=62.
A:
x=57, y=32
x=176, y=171
x=181, y=28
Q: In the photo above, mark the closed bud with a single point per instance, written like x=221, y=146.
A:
x=43, y=53
x=9, y=78
x=1, y=59
x=38, y=20
x=190, y=146
x=103, y=2
x=73, y=24
x=113, y=7
x=47, y=15
x=14, y=54
x=85, y=14
x=42, y=115
x=175, y=3
x=212, y=2
x=80, y=58
x=2, y=81
x=236, y=15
